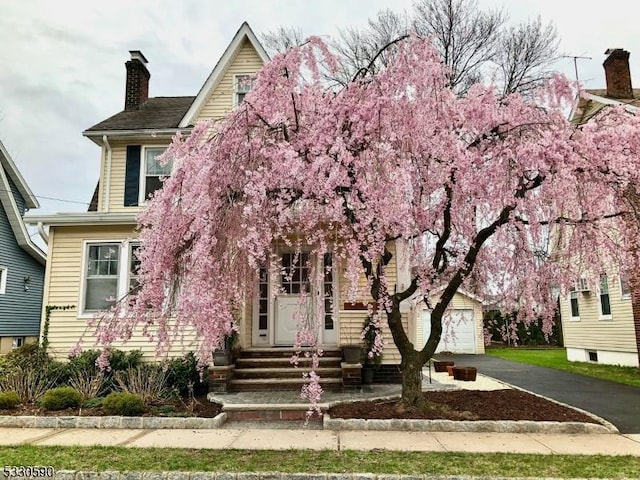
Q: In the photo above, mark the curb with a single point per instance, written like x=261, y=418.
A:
x=115, y=475
x=145, y=423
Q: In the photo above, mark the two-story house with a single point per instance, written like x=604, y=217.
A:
x=598, y=320
x=92, y=260
x=22, y=262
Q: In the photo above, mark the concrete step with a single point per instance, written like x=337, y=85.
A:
x=285, y=372
x=255, y=384
x=272, y=413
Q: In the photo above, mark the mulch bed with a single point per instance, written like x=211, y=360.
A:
x=467, y=405
x=178, y=408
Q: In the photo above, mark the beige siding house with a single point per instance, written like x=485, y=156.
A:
x=92, y=254
x=598, y=320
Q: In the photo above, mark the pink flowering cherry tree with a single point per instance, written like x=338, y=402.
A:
x=501, y=195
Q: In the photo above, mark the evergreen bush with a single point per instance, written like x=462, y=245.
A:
x=9, y=400
x=122, y=403
x=60, y=398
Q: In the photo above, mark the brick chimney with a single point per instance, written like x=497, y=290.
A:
x=137, y=86
x=617, y=73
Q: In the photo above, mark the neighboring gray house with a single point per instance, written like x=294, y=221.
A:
x=22, y=262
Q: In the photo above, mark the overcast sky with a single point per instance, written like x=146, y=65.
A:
x=62, y=63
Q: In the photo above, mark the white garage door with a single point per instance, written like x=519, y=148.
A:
x=458, y=331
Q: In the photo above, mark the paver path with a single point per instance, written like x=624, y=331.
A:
x=617, y=403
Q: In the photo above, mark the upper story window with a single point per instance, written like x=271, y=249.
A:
x=243, y=85
x=605, y=299
x=153, y=172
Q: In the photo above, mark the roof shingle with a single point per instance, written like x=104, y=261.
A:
x=156, y=112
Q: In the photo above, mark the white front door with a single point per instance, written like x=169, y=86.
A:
x=276, y=317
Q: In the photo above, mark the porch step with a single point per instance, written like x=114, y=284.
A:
x=285, y=352
x=285, y=362
x=259, y=369
x=254, y=384
x=277, y=372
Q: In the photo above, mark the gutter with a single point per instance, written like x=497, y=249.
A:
x=88, y=218
x=96, y=136
x=107, y=187
x=43, y=233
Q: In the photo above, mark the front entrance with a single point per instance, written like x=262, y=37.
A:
x=283, y=302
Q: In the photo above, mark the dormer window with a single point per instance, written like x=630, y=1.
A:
x=153, y=171
x=243, y=85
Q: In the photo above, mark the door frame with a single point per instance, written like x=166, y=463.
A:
x=266, y=337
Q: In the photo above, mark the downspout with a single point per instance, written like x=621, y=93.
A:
x=43, y=234
x=107, y=185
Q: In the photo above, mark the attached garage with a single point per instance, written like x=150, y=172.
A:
x=461, y=329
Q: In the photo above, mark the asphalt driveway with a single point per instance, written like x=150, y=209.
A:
x=617, y=403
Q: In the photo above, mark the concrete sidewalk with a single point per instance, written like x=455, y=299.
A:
x=283, y=439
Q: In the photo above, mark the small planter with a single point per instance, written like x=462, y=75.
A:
x=450, y=370
x=351, y=353
x=465, y=374
x=221, y=358
x=441, y=366
x=367, y=374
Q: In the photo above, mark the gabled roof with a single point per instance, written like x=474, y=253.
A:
x=8, y=170
x=156, y=113
x=591, y=101
x=243, y=33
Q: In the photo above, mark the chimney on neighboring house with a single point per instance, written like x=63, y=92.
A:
x=137, y=87
x=617, y=73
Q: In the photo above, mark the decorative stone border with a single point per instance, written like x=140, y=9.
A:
x=503, y=426
x=112, y=422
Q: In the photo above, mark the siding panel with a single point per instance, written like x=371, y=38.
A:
x=19, y=309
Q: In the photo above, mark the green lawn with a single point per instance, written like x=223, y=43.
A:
x=377, y=462
x=557, y=358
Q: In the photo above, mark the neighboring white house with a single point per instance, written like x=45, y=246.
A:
x=597, y=320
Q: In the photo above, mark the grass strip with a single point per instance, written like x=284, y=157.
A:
x=557, y=358
x=328, y=461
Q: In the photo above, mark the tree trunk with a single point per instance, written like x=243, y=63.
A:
x=411, y=382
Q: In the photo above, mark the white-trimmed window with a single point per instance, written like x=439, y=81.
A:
x=625, y=288
x=574, y=307
x=153, y=172
x=4, y=273
x=604, y=299
x=17, y=342
x=242, y=85
x=110, y=272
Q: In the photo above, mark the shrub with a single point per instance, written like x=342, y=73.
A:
x=183, y=372
x=29, y=381
x=90, y=384
x=9, y=400
x=60, y=398
x=123, y=403
x=148, y=381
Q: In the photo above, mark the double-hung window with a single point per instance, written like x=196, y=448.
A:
x=110, y=272
x=153, y=171
x=605, y=299
x=243, y=85
x=101, y=287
